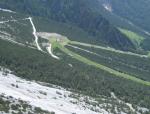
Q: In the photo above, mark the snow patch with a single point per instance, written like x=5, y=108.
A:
x=47, y=35
x=7, y=10
x=70, y=65
x=107, y=7
x=47, y=98
x=2, y=22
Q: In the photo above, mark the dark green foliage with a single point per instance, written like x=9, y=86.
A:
x=18, y=107
x=146, y=45
x=129, y=64
x=34, y=65
x=130, y=14
x=4, y=106
x=135, y=10
x=71, y=31
x=74, y=12
x=76, y=20
x=21, y=32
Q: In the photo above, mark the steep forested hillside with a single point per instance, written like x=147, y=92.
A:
x=34, y=65
x=77, y=13
x=135, y=10
x=58, y=55
x=131, y=14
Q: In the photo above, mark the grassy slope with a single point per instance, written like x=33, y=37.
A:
x=72, y=32
x=34, y=65
x=135, y=38
x=106, y=48
x=135, y=10
x=129, y=64
x=102, y=67
x=71, y=13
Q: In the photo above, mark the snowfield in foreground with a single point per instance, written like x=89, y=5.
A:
x=54, y=99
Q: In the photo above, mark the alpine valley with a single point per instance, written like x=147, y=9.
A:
x=74, y=57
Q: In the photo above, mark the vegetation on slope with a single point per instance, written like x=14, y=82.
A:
x=61, y=45
x=135, y=38
x=14, y=106
x=74, y=12
x=137, y=66
x=135, y=10
x=131, y=15
x=34, y=65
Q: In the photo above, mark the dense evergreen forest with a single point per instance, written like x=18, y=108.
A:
x=133, y=65
x=74, y=12
x=34, y=65
x=77, y=26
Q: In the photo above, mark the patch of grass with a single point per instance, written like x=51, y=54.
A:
x=102, y=67
x=64, y=41
x=149, y=54
x=134, y=37
x=133, y=65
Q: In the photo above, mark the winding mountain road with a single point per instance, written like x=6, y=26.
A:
x=49, y=49
x=35, y=35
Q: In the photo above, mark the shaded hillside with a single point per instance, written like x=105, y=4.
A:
x=134, y=10
x=34, y=65
x=74, y=12
x=129, y=14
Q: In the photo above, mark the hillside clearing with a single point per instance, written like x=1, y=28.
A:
x=62, y=41
x=135, y=38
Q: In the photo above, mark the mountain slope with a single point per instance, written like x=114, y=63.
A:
x=60, y=73
x=136, y=10
x=132, y=15
x=52, y=99
x=76, y=13
x=61, y=52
